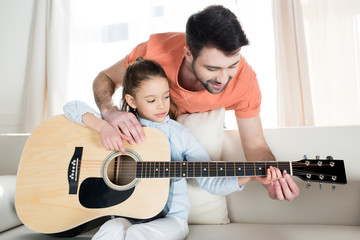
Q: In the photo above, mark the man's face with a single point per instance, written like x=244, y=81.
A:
x=214, y=69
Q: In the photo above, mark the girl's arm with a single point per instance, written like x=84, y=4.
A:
x=110, y=136
x=81, y=113
x=195, y=152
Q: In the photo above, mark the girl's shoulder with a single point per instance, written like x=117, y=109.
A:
x=179, y=129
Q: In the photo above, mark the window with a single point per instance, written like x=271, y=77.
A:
x=103, y=32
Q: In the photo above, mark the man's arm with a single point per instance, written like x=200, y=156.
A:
x=256, y=149
x=104, y=87
x=105, y=84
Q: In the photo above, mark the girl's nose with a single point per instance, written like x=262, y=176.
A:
x=161, y=105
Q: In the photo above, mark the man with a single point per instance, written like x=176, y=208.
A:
x=206, y=72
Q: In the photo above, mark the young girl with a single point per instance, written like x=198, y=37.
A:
x=146, y=94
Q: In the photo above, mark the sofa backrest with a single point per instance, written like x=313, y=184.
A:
x=252, y=205
x=313, y=206
x=11, y=146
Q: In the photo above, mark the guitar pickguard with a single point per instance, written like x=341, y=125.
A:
x=94, y=193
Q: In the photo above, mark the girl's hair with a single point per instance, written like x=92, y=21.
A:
x=138, y=72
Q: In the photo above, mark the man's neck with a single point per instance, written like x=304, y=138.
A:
x=187, y=78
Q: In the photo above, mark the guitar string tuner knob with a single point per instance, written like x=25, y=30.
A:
x=329, y=158
x=321, y=186
x=333, y=187
x=317, y=157
x=308, y=185
x=305, y=157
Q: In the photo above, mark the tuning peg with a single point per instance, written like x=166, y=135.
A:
x=320, y=185
x=308, y=185
x=329, y=158
x=333, y=187
x=305, y=157
x=317, y=157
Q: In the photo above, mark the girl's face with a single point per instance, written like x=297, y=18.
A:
x=152, y=99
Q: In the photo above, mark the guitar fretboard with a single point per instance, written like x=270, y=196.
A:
x=186, y=169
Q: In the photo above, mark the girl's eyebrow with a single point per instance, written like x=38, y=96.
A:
x=152, y=95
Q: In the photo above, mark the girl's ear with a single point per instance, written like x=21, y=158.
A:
x=188, y=55
x=130, y=100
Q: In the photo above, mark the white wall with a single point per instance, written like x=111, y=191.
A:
x=15, y=23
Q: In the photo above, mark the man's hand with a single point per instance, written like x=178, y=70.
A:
x=128, y=125
x=280, y=187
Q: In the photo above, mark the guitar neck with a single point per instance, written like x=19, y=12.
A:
x=206, y=169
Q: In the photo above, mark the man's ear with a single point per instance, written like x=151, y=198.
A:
x=130, y=100
x=188, y=55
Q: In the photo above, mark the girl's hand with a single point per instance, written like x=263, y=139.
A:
x=128, y=125
x=112, y=138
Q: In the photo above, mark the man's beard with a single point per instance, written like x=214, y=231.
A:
x=206, y=84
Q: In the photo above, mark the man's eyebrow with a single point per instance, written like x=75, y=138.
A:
x=216, y=67
x=234, y=63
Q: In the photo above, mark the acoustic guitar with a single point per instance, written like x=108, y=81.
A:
x=66, y=178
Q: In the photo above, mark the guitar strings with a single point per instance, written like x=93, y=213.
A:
x=282, y=163
x=130, y=169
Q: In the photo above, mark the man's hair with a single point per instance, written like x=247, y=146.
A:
x=217, y=27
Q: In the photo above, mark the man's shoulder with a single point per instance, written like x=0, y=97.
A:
x=166, y=40
x=168, y=36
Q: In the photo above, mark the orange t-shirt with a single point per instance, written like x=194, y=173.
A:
x=242, y=93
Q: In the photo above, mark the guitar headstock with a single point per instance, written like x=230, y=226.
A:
x=320, y=170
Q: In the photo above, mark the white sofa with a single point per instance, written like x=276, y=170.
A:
x=315, y=214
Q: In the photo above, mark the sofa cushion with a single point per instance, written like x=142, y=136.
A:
x=234, y=231
x=207, y=128
x=7, y=205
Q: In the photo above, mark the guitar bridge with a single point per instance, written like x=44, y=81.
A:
x=74, y=170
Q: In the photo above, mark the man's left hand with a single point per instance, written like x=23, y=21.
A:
x=280, y=186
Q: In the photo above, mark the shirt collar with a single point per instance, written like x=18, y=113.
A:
x=150, y=123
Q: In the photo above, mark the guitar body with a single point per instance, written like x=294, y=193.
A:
x=67, y=178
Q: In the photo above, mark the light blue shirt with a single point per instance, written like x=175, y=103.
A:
x=183, y=146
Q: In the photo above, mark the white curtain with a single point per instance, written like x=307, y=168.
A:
x=47, y=63
x=332, y=31
x=318, y=66
x=294, y=92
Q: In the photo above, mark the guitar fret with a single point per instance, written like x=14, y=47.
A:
x=184, y=169
x=205, y=169
x=157, y=167
x=190, y=167
x=150, y=170
x=167, y=169
x=178, y=167
x=249, y=169
x=221, y=169
x=212, y=169
x=138, y=170
x=161, y=168
x=260, y=169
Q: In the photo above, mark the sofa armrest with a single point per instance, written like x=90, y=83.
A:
x=9, y=218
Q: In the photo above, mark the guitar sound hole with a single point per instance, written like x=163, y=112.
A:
x=122, y=170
